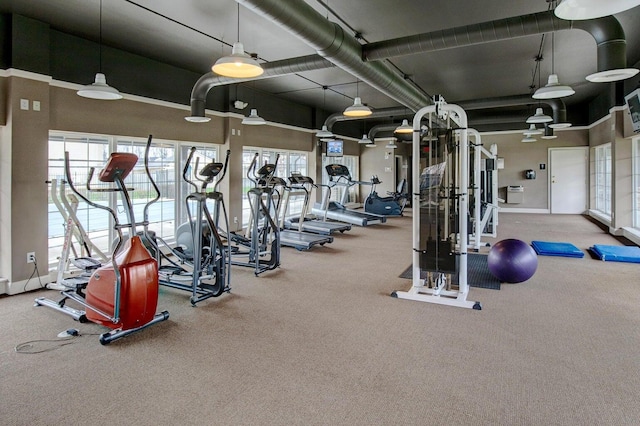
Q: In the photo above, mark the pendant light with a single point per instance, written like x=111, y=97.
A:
x=238, y=64
x=324, y=132
x=99, y=89
x=357, y=109
x=539, y=117
x=391, y=145
x=553, y=89
x=528, y=139
x=532, y=130
x=371, y=145
x=559, y=125
x=253, y=119
x=575, y=10
x=365, y=139
x=404, y=128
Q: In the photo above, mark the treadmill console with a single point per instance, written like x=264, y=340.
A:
x=337, y=170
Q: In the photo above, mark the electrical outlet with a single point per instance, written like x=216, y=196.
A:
x=31, y=257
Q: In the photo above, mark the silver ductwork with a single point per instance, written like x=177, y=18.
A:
x=332, y=43
x=380, y=128
x=271, y=69
x=558, y=106
x=606, y=31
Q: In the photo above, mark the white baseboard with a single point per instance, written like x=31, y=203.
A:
x=17, y=287
x=631, y=234
x=517, y=210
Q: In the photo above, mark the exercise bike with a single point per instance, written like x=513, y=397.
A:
x=123, y=294
x=393, y=205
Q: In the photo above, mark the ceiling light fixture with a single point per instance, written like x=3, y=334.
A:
x=528, y=139
x=575, y=10
x=559, y=125
x=532, y=130
x=357, y=109
x=197, y=119
x=324, y=132
x=99, y=89
x=253, y=119
x=553, y=89
x=238, y=64
x=539, y=117
x=365, y=139
x=391, y=145
x=612, y=75
x=404, y=128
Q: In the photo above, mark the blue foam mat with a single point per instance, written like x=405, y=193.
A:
x=549, y=248
x=617, y=253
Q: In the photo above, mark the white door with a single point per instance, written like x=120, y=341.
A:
x=568, y=179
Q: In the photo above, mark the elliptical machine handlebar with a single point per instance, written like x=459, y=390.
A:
x=187, y=164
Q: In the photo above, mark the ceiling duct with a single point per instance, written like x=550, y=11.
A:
x=557, y=105
x=271, y=69
x=386, y=129
x=332, y=43
x=606, y=31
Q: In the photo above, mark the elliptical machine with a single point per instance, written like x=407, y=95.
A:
x=200, y=245
x=393, y=205
x=123, y=294
x=259, y=248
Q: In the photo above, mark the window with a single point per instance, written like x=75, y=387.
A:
x=603, y=179
x=84, y=152
x=162, y=213
x=202, y=156
x=288, y=162
x=351, y=162
x=166, y=162
x=636, y=182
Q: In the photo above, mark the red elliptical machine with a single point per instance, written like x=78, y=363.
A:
x=123, y=294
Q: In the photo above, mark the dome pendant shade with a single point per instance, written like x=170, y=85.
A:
x=539, y=117
x=612, y=75
x=357, y=109
x=573, y=10
x=238, y=64
x=365, y=139
x=532, y=130
x=99, y=89
x=253, y=119
x=553, y=89
x=404, y=128
x=324, y=133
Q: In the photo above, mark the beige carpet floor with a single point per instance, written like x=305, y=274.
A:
x=321, y=342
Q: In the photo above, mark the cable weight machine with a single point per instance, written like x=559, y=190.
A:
x=440, y=212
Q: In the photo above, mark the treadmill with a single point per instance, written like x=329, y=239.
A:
x=301, y=185
x=339, y=175
x=288, y=237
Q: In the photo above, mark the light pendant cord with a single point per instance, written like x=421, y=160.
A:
x=100, y=39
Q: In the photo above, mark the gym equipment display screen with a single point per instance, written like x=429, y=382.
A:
x=334, y=148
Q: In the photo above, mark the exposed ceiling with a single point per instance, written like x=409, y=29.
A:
x=192, y=34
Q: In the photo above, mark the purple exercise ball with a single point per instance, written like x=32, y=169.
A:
x=512, y=261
